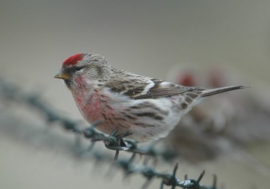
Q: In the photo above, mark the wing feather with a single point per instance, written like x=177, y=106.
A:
x=142, y=88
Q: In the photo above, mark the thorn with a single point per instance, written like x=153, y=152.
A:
x=200, y=178
x=78, y=141
x=155, y=161
x=116, y=155
x=114, y=132
x=161, y=184
x=126, y=178
x=175, y=169
x=109, y=174
x=214, y=182
x=95, y=124
x=132, y=158
x=146, y=159
x=147, y=183
x=90, y=148
x=123, y=135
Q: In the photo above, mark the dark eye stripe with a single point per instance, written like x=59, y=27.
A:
x=78, y=68
x=74, y=69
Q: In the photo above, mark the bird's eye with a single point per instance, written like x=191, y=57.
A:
x=78, y=68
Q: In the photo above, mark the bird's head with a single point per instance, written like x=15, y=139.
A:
x=83, y=67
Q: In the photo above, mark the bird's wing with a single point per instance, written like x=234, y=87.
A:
x=149, y=88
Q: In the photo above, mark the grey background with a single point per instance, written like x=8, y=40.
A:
x=145, y=37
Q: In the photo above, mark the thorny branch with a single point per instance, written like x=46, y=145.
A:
x=113, y=142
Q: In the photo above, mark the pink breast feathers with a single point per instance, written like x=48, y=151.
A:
x=92, y=108
x=95, y=107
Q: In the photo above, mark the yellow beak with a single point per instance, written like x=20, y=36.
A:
x=62, y=76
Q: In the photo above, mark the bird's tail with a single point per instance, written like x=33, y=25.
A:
x=210, y=92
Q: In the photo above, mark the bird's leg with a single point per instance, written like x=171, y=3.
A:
x=121, y=136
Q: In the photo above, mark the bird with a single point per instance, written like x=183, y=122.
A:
x=145, y=107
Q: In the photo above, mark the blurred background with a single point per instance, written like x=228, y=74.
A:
x=153, y=38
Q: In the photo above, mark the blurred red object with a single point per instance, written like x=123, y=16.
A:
x=225, y=122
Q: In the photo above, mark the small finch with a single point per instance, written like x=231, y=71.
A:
x=147, y=108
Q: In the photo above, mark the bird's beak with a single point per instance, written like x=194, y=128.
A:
x=62, y=75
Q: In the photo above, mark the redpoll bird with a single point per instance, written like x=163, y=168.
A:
x=145, y=107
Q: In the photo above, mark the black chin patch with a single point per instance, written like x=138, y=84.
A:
x=68, y=83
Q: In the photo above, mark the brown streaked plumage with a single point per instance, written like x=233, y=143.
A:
x=146, y=107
